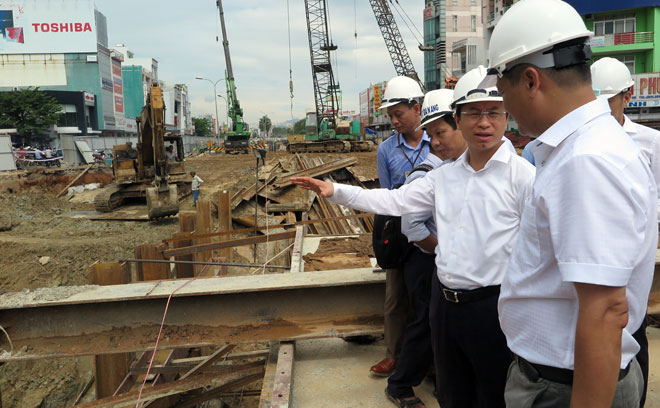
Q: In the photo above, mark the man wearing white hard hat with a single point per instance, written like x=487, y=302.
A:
x=611, y=80
x=397, y=156
x=416, y=356
x=477, y=203
x=579, y=277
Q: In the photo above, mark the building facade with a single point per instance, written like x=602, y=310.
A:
x=455, y=28
x=629, y=32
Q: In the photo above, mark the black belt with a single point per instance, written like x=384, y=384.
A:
x=557, y=375
x=462, y=296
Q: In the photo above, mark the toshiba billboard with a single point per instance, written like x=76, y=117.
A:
x=47, y=26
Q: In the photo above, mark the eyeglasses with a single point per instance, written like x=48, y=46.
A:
x=490, y=115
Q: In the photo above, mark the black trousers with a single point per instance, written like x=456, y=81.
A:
x=416, y=353
x=471, y=355
x=643, y=357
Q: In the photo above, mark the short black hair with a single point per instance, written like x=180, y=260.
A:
x=449, y=119
x=566, y=77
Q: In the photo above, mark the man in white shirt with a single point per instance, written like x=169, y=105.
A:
x=477, y=203
x=580, y=274
x=416, y=356
x=611, y=80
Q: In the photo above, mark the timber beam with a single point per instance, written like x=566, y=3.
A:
x=85, y=320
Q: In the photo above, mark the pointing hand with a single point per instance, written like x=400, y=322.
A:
x=322, y=188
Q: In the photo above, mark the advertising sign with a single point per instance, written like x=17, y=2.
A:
x=364, y=104
x=646, y=91
x=119, y=104
x=597, y=42
x=90, y=99
x=47, y=26
x=377, y=97
x=428, y=13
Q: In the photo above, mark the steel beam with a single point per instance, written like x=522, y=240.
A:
x=84, y=320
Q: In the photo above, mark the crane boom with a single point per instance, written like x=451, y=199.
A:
x=237, y=138
x=325, y=88
x=394, y=41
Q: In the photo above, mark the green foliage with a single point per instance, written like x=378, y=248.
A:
x=281, y=131
x=265, y=124
x=202, y=126
x=30, y=111
x=299, y=127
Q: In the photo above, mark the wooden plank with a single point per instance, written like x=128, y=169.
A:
x=241, y=356
x=152, y=271
x=269, y=376
x=82, y=173
x=296, y=256
x=109, y=369
x=186, y=228
x=202, y=226
x=283, y=375
x=218, y=392
x=228, y=244
x=285, y=180
x=172, y=388
x=130, y=378
x=224, y=222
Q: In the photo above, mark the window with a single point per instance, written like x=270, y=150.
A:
x=473, y=2
x=454, y=23
x=614, y=24
x=454, y=2
x=628, y=60
x=473, y=23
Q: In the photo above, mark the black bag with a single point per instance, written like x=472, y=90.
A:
x=391, y=247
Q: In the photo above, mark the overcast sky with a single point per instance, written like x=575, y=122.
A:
x=181, y=35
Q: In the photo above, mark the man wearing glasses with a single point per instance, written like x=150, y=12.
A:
x=477, y=203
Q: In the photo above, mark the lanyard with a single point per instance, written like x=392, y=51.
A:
x=412, y=163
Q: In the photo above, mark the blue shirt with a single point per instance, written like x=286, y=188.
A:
x=396, y=158
x=418, y=226
x=527, y=153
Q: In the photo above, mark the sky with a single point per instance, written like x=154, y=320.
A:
x=181, y=35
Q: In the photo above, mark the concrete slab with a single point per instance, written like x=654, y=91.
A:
x=334, y=373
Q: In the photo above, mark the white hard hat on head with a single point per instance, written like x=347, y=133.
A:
x=437, y=104
x=401, y=89
x=468, y=89
x=544, y=33
x=610, y=77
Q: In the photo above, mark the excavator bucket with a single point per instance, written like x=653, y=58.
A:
x=163, y=201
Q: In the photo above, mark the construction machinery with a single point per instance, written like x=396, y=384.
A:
x=324, y=131
x=403, y=64
x=143, y=172
x=237, y=137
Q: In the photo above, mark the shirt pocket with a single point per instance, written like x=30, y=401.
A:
x=528, y=237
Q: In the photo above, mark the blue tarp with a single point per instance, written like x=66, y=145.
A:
x=597, y=6
x=370, y=131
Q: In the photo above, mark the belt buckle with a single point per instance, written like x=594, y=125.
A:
x=446, y=293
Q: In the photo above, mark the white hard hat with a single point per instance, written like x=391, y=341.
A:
x=401, y=89
x=436, y=105
x=538, y=32
x=468, y=89
x=609, y=77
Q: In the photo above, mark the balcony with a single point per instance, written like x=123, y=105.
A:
x=644, y=37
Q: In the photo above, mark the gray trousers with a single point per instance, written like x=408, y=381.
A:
x=396, y=311
x=521, y=392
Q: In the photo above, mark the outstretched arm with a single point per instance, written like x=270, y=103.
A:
x=320, y=187
x=411, y=198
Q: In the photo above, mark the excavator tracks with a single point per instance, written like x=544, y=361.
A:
x=105, y=201
x=324, y=146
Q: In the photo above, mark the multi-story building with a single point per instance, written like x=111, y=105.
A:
x=631, y=35
x=455, y=29
x=371, y=116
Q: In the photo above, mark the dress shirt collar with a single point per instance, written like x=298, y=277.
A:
x=401, y=141
x=502, y=155
x=571, y=122
x=628, y=125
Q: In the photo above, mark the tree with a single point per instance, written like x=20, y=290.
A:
x=299, y=127
x=281, y=131
x=202, y=126
x=265, y=124
x=31, y=112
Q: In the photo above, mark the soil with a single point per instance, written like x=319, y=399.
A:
x=35, y=223
x=340, y=253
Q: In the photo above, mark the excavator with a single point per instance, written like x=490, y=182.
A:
x=143, y=172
